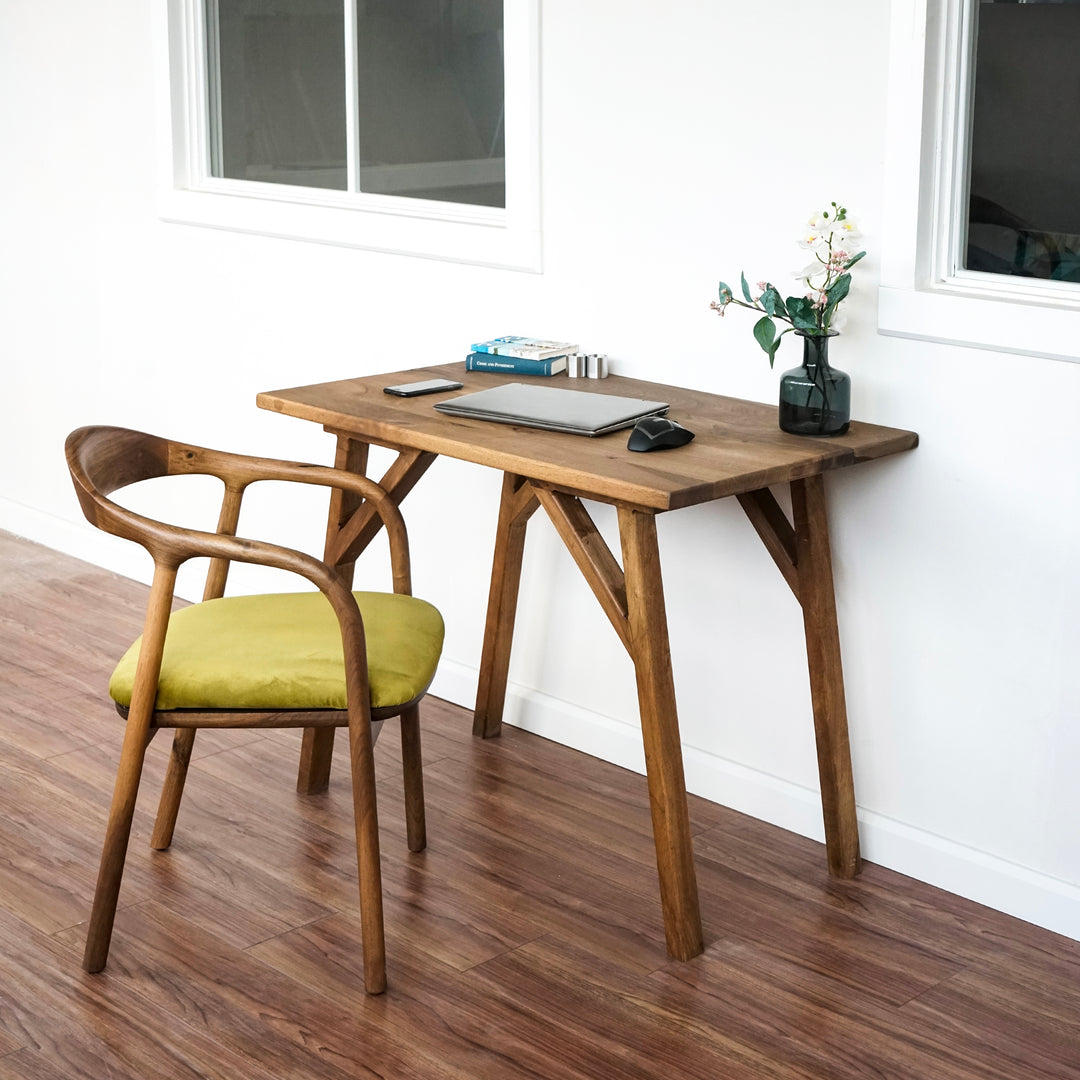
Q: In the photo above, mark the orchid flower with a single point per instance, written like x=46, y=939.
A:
x=830, y=234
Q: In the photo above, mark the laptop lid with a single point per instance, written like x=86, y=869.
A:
x=576, y=412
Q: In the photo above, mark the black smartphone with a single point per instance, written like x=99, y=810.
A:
x=431, y=386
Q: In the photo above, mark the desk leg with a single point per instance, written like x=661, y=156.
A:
x=814, y=563
x=651, y=653
x=515, y=509
x=317, y=749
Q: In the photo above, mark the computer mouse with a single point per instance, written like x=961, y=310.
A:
x=658, y=433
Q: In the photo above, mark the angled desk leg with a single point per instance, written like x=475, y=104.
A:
x=349, y=529
x=815, y=592
x=515, y=508
x=651, y=653
x=317, y=748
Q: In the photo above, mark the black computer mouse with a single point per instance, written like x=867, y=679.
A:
x=658, y=433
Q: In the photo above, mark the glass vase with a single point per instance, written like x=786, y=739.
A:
x=815, y=399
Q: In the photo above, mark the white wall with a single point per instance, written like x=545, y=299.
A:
x=682, y=142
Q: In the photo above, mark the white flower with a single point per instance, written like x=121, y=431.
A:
x=810, y=237
x=844, y=234
x=822, y=229
x=808, y=271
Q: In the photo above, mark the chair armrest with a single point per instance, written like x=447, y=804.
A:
x=171, y=545
x=237, y=471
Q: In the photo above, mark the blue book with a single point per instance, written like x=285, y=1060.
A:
x=513, y=365
x=525, y=348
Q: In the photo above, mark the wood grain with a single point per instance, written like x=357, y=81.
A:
x=651, y=653
x=818, y=601
x=738, y=448
x=517, y=504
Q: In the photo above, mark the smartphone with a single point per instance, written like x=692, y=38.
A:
x=432, y=386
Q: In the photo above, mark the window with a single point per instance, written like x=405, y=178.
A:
x=400, y=125
x=982, y=236
x=1024, y=160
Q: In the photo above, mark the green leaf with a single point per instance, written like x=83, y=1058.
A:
x=776, y=345
x=725, y=292
x=746, y=290
x=802, y=314
x=765, y=335
x=771, y=302
x=838, y=290
x=853, y=260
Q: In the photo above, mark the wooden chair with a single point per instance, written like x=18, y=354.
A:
x=269, y=661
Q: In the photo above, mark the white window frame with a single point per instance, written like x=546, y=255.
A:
x=925, y=293
x=489, y=236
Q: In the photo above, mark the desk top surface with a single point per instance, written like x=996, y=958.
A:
x=739, y=446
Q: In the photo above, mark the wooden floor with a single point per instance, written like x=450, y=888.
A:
x=525, y=942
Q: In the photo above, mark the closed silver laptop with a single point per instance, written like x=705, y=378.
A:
x=575, y=412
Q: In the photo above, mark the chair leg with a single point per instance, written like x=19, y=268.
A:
x=113, y=854
x=365, y=811
x=316, y=754
x=132, y=753
x=415, y=826
x=173, y=789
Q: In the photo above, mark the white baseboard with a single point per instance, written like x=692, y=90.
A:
x=986, y=879
x=78, y=539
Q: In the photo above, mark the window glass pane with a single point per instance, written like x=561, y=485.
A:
x=1023, y=211
x=430, y=84
x=277, y=91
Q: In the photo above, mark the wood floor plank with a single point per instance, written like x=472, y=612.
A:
x=1035, y=1030
x=50, y=830
x=219, y=874
x=885, y=901
x=616, y=1025
x=9, y=1044
x=28, y=1064
x=616, y=794
x=85, y=1027
x=609, y=850
x=273, y=1020
x=64, y=723
x=817, y=1024
x=431, y=1003
x=811, y=928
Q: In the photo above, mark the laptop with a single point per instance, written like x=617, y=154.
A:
x=575, y=412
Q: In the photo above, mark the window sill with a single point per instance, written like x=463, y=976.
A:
x=953, y=316
x=471, y=239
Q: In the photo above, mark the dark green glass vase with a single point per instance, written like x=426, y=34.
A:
x=815, y=399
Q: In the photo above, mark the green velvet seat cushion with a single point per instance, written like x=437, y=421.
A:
x=283, y=651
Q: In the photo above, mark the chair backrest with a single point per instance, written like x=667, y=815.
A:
x=103, y=460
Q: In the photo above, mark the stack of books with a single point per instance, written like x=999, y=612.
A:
x=514, y=355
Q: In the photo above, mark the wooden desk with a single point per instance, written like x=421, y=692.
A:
x=739, y=450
